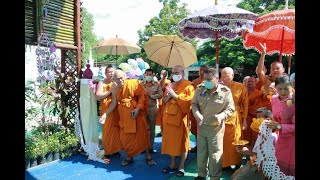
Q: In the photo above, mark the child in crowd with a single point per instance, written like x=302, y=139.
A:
x=250, y=170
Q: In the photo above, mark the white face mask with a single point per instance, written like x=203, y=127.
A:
x=161, y=76
x=176, y=78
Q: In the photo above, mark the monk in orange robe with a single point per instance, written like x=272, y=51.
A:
x=253, y=94
x=164, y=81
x=264, y=100
x=110, y=127
x=130, y=98
x=193, y=120
x=276, y=69
x=175, y=131
x=236, y=122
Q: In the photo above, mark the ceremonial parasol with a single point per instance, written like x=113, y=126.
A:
x=170, y=50
x=276, y=29
x=116, y=46
x=219, y=21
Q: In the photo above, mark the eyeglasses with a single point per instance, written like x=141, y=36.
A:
x=176, y=73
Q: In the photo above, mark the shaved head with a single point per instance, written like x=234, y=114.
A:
x=276, y=63
x=178, y=68
x=276, y=69
x=118, y=77
x=227, y=75
x=118, y=74
x=227, y=70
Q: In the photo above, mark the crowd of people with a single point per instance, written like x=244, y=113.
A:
x=218, y=111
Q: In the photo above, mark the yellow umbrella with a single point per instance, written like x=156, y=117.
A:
x=116, y=46
x=170, y=50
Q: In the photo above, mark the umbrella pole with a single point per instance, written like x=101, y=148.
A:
x=116, y=57
x=217, y=53
x=289, y=64
x=280, y=58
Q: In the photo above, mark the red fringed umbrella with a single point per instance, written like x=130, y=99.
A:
x=276, y=30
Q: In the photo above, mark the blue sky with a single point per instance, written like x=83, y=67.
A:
x=125, y=17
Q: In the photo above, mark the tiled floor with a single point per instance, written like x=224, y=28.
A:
x=78, y=167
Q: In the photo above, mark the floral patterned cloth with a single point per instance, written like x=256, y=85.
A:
x=228, y=21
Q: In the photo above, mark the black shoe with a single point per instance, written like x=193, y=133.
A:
x=194, y=149
x=226, y=168
x=200, y=178
x=159, y=135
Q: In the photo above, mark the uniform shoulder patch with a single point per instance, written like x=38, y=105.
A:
x=224, y=88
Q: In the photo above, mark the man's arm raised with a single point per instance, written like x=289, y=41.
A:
x=260, y=70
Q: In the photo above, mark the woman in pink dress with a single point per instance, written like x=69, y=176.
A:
x=283, y=109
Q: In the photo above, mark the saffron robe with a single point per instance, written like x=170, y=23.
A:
x=175, y=130
x=249, y=134
x=261, y=101
x=134, y=135
x=161, y=105
x=110, y=129
x=233, y=128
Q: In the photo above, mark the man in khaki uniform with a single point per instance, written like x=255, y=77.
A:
x=212, y=104
x=154, y=92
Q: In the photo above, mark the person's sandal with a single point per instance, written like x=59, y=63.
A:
x=168, y=169
x=150, y=161
x=126, y=162
x=180, y=173
x=107, y=161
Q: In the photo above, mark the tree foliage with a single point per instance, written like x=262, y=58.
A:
x=261, y=7
x=233, y=54
x=89, y=40
x=88, y=37
x=165, y=23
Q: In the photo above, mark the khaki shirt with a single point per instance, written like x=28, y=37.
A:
x=215, y=107
x=154, y=92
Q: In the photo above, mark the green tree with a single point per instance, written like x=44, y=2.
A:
x=165, y=23
x=233, y=54
x=88, y=37
x=261, y=7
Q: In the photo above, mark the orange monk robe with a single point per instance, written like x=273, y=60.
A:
x=175, y=131
x=249, y=133
x=261, y=101
x=193, y=120
x=134, y=135
x=161, y=106
x=259, y=85
x=111, y=128
x=233, y=128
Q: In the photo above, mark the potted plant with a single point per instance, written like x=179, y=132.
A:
x=30, y=153
x=54, y=146
x=72, y=143
x=41, y=150
x=50, y=142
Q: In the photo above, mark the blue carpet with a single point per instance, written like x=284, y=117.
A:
x=78, y=167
